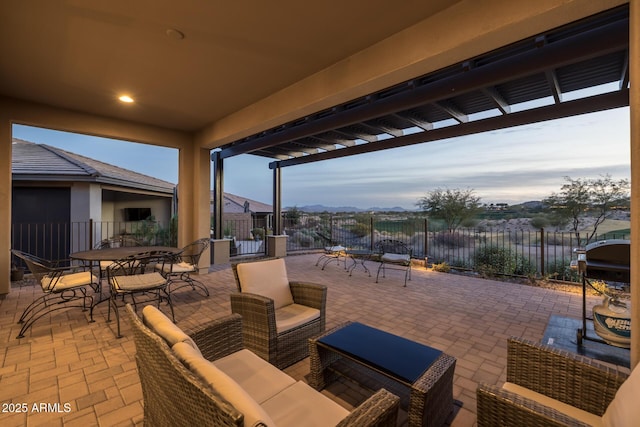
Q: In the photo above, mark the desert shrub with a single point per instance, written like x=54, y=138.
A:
x=560, y=269
x=540, y=221
x=258, y=233
x=443, y=267
x=452, y=239
x=493, y=261
x=360, y=229
x=302, y=239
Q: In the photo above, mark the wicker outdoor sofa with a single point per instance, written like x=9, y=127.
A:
x=210, y=379
x=550, y=387
x=279, y=316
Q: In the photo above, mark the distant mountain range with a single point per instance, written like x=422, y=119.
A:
x=333, y=209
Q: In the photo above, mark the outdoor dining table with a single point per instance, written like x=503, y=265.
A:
x=92, y=256
x=113, y=254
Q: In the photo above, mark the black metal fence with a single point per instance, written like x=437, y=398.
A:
x=55, y=241
x=493, y=251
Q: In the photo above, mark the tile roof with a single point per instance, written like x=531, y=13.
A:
x=235, y=204
x=31, y=161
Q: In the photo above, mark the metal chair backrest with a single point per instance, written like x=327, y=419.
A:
x=326, y=241
x=138, y=263
x=39, y=267
x=390, y=246
x=193, y=251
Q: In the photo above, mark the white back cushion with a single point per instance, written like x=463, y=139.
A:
x=223, y=385
x=624, y=409
x=156, y=320
x=266, y=278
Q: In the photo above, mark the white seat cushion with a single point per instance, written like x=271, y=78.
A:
x=255, y=375
x=294, y=315
x=223, y=385
x=300, y=405
x=69, y=281
x=156, y=320
x=337, y=248
x=624, y=410
x=399, y=258
x=139, y=282
x=179, y=267
x=578, y=414
x=266, y=278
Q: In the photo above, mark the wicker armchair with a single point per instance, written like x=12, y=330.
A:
x=574, y=380
x=174, y=396
x=264, y=332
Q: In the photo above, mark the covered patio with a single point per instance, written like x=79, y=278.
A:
x=66, y=63
x=66, y=360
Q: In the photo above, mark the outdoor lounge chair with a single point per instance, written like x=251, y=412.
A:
x=279, y=316
x=135, y=276
x=210, y=378
x=547, y=386
x=393, y=253
x=61, y=286
x=181, y=266
x=332, y=251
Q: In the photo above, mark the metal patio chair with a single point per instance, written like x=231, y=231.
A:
x=61, y=286
x=136, y=277
x=332, y=251
x=180, y=267
x=114, y=243
x=394, y=255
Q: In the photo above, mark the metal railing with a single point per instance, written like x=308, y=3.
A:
x=494, y=251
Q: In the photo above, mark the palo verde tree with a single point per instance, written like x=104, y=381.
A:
x=454, y=207
x=584, y=198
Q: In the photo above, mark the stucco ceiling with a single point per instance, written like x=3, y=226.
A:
x=80, y=55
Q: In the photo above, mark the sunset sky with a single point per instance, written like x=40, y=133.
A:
x=507, y=166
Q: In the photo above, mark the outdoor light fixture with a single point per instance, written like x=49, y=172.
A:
x=126, y=98
x=174, y=34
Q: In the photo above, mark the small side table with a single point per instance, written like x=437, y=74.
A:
x=358, y=256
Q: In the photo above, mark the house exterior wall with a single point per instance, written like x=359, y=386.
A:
x=237, y=225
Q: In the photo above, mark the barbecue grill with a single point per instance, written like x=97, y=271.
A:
x=608, y=263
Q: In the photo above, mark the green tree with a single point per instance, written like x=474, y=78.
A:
x=292, y=215
x=454, y=207
x=584, y=198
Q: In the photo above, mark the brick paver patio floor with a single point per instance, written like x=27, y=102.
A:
x=92, y=376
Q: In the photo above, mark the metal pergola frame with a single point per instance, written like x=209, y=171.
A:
x=582, y=55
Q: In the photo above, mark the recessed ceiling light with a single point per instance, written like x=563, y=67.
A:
x=126, y=98
x=172, y=33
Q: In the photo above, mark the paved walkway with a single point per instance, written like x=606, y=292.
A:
x=92, y=376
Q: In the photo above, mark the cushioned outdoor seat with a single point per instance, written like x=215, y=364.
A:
x=61, y=288
x=547, y=386
x=279, y=315
x=135, y=277
x=393, y=253
x=209, y=378
x=183, y=266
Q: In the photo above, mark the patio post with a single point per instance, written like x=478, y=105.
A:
x=277, y=199
x=634, y=132
x=218, y=188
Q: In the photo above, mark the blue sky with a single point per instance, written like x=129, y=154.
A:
x=507, y=166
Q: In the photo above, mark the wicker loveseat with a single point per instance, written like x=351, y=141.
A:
x=210, y=379
x=551, y=387
x=278, y=316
